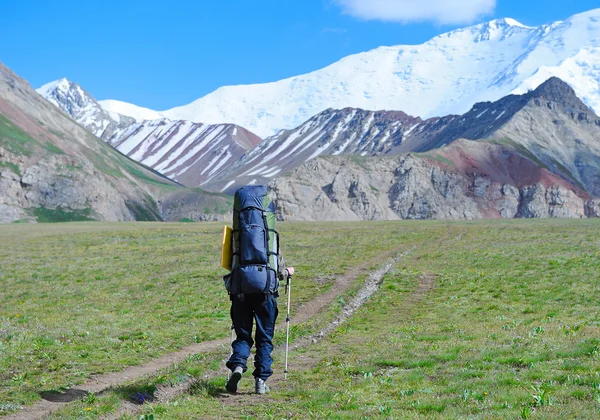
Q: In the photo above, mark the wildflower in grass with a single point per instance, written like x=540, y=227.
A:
x=140, y=397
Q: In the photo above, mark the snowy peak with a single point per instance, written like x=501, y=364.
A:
x=513, y=22
x=492, y=30
x=445, y=75
x=60, y=85
x=76, y=102
x=190, y=153
x=68, y=96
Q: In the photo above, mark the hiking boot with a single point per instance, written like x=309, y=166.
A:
x=235, y=377
x=260, y=386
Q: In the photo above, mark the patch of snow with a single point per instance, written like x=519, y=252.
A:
x=212, y=133
x=500, y=115
x=255, y=171
x=410, y=130
x=222, y=156
x=484, y=111
x=222, y=162
x=345, y=145
x=271, y=173
x=229, y=184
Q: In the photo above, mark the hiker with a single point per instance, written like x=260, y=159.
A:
x=257, y=267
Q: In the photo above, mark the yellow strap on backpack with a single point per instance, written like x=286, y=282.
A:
x=226, y=248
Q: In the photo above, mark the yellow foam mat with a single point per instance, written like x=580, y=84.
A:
x=226, y=248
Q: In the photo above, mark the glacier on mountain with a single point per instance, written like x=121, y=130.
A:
x=445, y=75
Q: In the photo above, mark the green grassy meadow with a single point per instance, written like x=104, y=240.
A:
x=491, y=319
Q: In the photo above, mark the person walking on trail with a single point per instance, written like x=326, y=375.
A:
x=257, y=267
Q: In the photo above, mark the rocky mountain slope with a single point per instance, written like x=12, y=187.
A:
x=536, y=155
x=53, y=169
x=190, y=153
x=332, y=132
x=550, y=124
x=564, y=131
x=466, y=180
x=445, y=75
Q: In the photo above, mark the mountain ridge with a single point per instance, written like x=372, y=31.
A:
x=530, y=155
x=377, y=133
x=481, y=63
x=189, y=153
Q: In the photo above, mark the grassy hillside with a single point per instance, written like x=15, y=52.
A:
x=478, y=320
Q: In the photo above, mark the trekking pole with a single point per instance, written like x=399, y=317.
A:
x=288, y=290
x=230, y=349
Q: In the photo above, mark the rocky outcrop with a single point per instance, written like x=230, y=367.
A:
x=592, y=208
x=416, y=187
x=59, y=182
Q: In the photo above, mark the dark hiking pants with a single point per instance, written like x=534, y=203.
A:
x=262, y=309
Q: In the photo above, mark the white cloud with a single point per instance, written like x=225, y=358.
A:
x=438, y=11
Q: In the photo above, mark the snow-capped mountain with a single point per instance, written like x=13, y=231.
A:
x=83, y=108
x=190, y=153
x=445, y=75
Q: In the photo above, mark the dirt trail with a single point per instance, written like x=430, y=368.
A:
x=304, y=313
x=305, y=361
x=102, y=383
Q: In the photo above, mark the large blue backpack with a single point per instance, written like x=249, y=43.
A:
x=255, y=243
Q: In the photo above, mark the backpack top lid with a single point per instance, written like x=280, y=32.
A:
x=253, y=196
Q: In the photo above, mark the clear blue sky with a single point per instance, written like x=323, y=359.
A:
x=161, y=54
